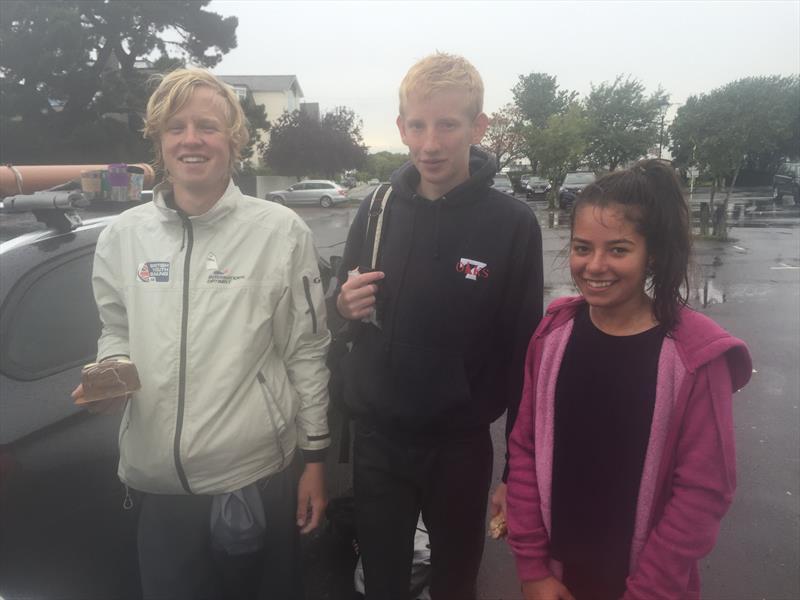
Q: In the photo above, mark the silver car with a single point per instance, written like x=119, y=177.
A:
x=311, y=191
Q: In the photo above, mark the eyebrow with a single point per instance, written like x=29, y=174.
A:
x=610, y=242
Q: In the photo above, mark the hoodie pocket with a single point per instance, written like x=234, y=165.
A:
x=415, y=386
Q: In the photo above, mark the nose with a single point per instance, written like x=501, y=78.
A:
x=191, y=136
x=430, y=144
x=597, y=262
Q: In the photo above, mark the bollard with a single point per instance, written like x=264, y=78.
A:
x=704, y=214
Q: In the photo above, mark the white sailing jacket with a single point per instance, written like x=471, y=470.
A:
x=224, y=316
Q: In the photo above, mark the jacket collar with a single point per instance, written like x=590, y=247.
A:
x=221, y=208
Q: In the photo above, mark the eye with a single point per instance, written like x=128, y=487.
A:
x=619, y=250
x=580, y=249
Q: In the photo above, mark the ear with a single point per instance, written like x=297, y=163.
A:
x=479, y=126
x=401, y=127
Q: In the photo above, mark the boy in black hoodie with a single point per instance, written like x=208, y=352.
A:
x=441, y=330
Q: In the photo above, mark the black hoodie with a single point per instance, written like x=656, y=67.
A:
x=461, y=297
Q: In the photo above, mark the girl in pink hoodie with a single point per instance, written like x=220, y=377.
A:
x=622, y=455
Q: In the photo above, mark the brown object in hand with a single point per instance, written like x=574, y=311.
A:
x=497, y=526
x=108, y=379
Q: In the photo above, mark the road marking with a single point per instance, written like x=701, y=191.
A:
x=783, y=267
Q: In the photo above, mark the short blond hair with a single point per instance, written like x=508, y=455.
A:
x=443, y=72
x=174, y=91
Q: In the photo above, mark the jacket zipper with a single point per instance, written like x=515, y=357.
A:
x=307, y=289
x=187, y=227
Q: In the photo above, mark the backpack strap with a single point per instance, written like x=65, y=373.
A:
x=377, y=210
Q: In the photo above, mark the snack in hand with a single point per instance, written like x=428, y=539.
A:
x=497, y=526
x=108, y=379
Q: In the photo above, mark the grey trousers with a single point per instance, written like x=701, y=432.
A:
x=176, y=560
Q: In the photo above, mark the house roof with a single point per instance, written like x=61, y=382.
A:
x=265, y=83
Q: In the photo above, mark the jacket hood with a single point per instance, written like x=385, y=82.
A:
x=699, y=339
x=482, y=167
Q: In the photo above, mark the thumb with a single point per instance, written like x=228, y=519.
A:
x=302, y=510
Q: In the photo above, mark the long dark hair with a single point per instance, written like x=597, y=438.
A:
x=652, y=199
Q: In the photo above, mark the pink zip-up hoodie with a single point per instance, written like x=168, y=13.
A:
x=689, y=473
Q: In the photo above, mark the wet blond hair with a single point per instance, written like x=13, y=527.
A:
x=174, y=91
x=441, y=72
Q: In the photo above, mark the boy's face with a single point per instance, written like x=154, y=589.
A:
x=438, y=131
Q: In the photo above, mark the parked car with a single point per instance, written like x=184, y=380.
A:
x=63, y=530
x=503, y=183
x=312, y=191
x=537, y=186
x=786, y=181
x=573, y=185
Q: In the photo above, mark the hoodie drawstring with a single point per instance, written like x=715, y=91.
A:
x=438, y=204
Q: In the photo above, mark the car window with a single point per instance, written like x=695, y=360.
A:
x=577, y=178
x=326, y=186
x=49, y=321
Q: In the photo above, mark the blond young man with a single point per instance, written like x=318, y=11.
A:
x=441, y=330
x=215, y=296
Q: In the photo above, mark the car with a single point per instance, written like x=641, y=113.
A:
x=503, y=183
x=786, y=181
x=63, y=530
x=536, y=186
x=573, y=184
x=324, y=192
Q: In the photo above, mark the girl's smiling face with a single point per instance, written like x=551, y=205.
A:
x=608, y=259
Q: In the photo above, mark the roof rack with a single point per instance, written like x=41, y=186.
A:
x=55, y=208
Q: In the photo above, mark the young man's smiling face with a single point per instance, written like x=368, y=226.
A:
x=439, y=130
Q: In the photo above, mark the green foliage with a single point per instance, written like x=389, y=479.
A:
x=753, y=121
x=538, y=98
x=505, y=136
x=623, y=122
x=381, y=165
x=256, y=121
x=301, y=145
x=561, y=144
x=70, y=89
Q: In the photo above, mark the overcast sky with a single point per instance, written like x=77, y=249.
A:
x=356, y=53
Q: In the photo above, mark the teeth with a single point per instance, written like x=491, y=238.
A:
x=193, y=159
x=598, y=284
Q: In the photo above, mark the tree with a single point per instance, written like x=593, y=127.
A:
x=505, y=136
x=750, y=121
x=71, y=89
x=299, y=144
x=623, y=122
x=256, y=121
x=562, y=143
x=381, y=165
x=538, y=98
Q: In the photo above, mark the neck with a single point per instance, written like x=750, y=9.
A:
x=195, y=202
x=630, y=319
x=431, y=191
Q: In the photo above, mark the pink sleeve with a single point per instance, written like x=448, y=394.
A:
x=526, y=531
x=702, y=486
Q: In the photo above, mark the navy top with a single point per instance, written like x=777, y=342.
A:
x=604, y=403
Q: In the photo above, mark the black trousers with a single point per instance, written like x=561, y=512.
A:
x=448, y=480
x=176, y=560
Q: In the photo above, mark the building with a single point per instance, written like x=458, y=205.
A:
x=277, y=93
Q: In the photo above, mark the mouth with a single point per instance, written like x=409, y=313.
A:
x=432, y=162
x=597, y=284
x=193, y=159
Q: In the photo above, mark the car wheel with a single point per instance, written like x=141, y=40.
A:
x=276, y=199
x=325, y=202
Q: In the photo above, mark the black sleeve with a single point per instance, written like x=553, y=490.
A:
x=355, y=242
x=524, y=304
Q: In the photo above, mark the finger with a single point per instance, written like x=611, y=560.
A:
x=360, y=293
x=363, y=304
x=302, y=510
x=77, y=392
x=365, y=278
x=317, y=509
x=564, y=594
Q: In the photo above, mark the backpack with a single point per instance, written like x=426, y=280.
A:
x=342, y=334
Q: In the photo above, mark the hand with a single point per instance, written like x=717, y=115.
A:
x=311, y=499
x=498, y=500
x=109, y=406
x=357, y=297
x=549, y=588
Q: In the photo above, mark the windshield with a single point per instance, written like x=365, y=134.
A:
x=578, y=178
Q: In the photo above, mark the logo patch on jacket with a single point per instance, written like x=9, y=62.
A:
x=472, y=269
x=218, y=275
x=153, y=271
